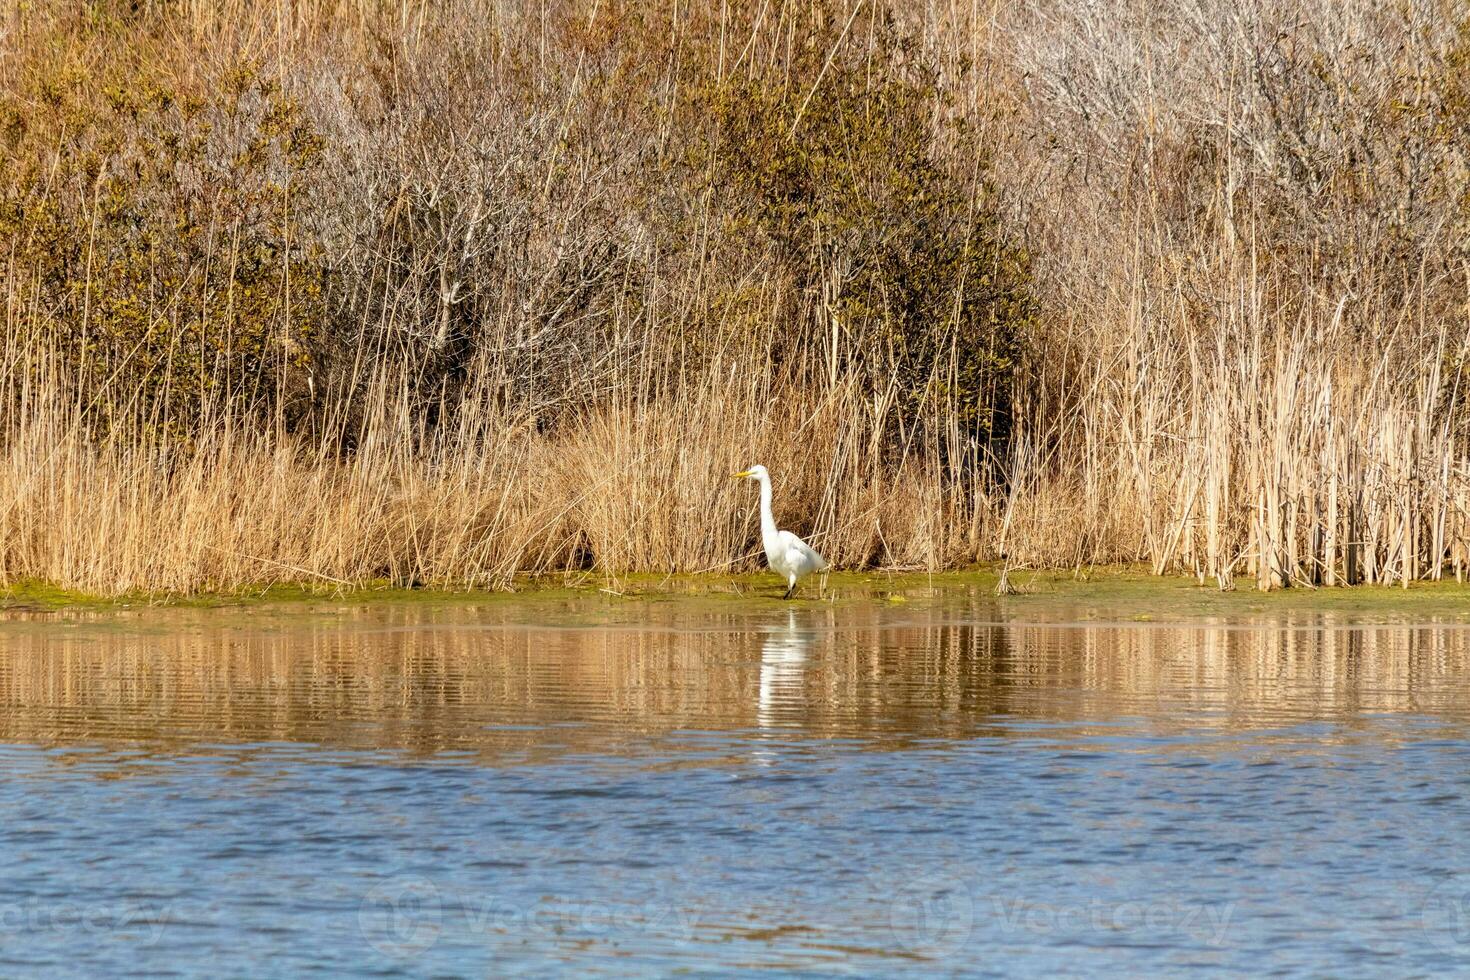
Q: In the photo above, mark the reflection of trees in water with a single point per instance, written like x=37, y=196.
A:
x=427, y=680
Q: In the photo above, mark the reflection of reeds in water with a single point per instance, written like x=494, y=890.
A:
x=427, y=680
x=1249, y=675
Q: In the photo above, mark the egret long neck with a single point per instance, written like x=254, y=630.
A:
x=768, y=522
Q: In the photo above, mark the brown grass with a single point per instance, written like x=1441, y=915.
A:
x=621, y=487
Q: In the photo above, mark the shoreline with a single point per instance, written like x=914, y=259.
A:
x=1129, y=595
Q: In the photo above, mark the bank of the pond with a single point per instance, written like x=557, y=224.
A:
x=1118, y=593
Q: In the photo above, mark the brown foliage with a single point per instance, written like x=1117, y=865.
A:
x=502, y=288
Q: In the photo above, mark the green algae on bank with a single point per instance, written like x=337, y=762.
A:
x=34, y=596
x=1115, y=593
x=1173, y=597
x=30, y=595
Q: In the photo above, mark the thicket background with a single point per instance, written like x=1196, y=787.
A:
x=444, y=291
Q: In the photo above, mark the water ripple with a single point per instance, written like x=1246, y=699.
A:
x=443, y=790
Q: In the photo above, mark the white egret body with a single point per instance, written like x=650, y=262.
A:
x=789, y=556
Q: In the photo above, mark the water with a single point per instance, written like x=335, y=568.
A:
x=606, y=786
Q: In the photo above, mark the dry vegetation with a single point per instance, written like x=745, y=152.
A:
x=445, y=291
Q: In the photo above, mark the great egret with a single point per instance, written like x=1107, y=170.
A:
x=787, y=554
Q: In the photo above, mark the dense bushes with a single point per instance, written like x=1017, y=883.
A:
x=158, y=233
x=1333, y=140
x=473, y=207
x=895, y=253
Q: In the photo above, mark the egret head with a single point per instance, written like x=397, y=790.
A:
x=756, y=472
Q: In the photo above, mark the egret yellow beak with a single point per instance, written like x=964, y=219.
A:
x=740, y=475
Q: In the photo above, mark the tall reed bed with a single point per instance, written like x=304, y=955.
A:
x=626, y=486
x=1264, y=330
x=444, y=293
x=1281, y=451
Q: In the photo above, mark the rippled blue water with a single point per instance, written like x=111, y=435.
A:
x=851, y=791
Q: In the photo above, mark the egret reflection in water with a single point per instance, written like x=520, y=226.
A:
x=783, y=665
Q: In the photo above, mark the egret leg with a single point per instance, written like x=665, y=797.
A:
x=791, y=590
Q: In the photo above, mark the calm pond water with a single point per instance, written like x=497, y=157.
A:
x=605, y=786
